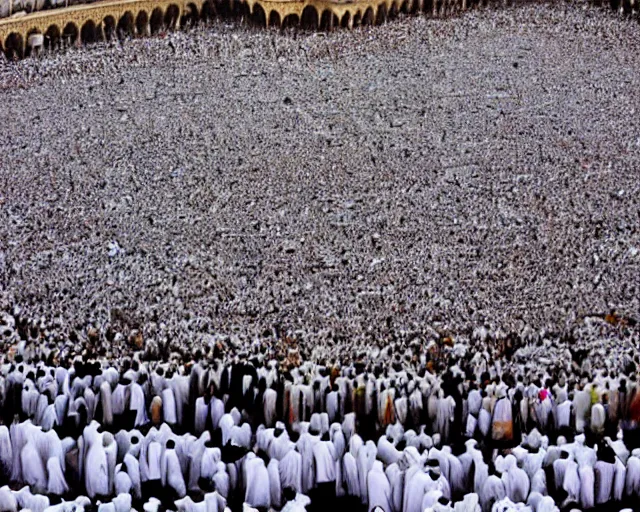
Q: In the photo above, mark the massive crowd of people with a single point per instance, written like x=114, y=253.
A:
x=530, y=424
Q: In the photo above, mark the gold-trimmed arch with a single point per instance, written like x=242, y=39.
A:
x=156, y=20
x=310, y=17
x=52, y=37
x=147, y=17
x=70, y=34
x=14, y=45
x=274, y=19
x=142, y=23
x=99, y=13
x=89, y=32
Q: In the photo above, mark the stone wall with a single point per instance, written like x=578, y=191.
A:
x=21, y=30
x=21, y=7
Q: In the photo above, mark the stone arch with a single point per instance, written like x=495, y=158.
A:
x=310, y=18
x=345, y=22
x=328, y=20
x=70, y=34
x=171, y=16
x=142, y=23
x=156, y=23
x=52, y=37
x=292, y=20
x=381, y=16
x=126, y=25
x=208, y=10
x=393, y=12
x=89, y=32
x=191, y=16
x=109, y=27
x=14, y=46
x=33, y=42
x=357, y=19
x=258, y=15
x=274, y=19
x=368, y=18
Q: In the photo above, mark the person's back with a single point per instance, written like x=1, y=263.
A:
x=172, y=472
x=379, y=488
x=324, y=458
x=258, y=493
x=290, y=469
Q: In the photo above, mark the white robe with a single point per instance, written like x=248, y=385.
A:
x=209, y=463
x=8, y=502
x=632, y=480
x=305, y=446
x=396, y=481
x=563, y=414
x=111, y=450
x=226, y=424
x=604, y=474
x=123, y=483
x=18, y=433
x=484, y=422
x=57, y=484
x=221, y=480
x=105, y=400
x=275, y=486
x=33, y=502
x=539, y=482
x=387, y=452
x=154, y=455
x=33, y=472
x=364, y=460
x=559, y=470
x=216, y=407
x=571, y=481
x=324, y=457
x=137, y=403
x=290, y=469
x=350, y=475
x=280, y=446
x=172, y=473
x=122, y=502
x=379, y=488
x=619, y=480
x=97, y=472
x=416, y=485
x=118, y=399
x=257, y=493
x=6, y=452
x=169, y=413
x=492, y=491
x=269, y=401
x=516, y=483
x=200, y=415
x=133, y=470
